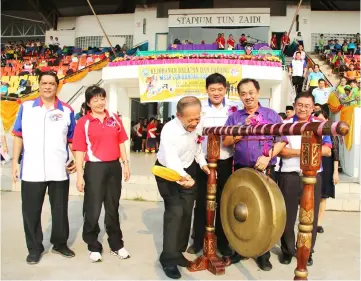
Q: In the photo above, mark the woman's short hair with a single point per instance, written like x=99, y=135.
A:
x=93, y=91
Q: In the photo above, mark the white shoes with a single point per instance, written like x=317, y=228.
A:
x=122, y=254
x=97, y=257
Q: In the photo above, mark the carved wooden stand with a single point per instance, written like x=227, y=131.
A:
x=310, y=161
x=209, y=260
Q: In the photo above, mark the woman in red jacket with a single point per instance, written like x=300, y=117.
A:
x=99, y=139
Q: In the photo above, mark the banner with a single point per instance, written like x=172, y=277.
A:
x=201, y=20
x=159, y=83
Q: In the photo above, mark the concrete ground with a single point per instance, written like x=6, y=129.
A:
x=337, y=253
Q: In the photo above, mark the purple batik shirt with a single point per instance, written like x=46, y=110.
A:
x=249, y=149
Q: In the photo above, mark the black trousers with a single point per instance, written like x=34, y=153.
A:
x=291, y=187
x=270, y=171
x=103, y=184
x=178, y=206
x=137, y=143
x=224, y=170
x=326, y=108
x=32, y=196
x=297, y=81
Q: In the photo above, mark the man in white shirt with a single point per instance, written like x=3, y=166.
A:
x=43, y=131
x=215, y=111
x=298, y=70
x=180, y=150
x=290, y=181
x=322, y=93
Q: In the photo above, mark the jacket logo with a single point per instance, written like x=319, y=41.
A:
x=56, y=117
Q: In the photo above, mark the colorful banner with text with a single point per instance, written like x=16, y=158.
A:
x=159, y=83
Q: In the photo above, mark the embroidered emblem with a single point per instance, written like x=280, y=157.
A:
x=110, y=122
x=56, y=117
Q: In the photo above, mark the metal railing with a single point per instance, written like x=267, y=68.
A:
x=80, y=91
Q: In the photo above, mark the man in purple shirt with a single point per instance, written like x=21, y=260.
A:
x=258, y=152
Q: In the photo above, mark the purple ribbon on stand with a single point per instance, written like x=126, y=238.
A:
x=258, y=120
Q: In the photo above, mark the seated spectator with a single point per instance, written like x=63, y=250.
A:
x=338, y=62
x=321, y=94
x=314, y=77
x=243, y=40
x=338, y=47
x=351, y=74
x=351, y=47
x=357, y=52
x=248, y=50
x=344, y=48
x=4, y=88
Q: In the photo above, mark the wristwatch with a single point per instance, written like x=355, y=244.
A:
x=125, y=161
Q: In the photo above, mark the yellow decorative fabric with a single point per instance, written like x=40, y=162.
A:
x=99, y=66
x=347, y=115
x=77, y=77
x=334, y=103
x=9, y=110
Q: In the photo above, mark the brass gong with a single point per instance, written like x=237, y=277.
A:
x=253, y=212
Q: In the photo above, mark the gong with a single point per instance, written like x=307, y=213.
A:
x=253, y=212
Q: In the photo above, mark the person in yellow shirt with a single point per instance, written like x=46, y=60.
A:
x=340, y=88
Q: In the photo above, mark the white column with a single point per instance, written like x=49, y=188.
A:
x=277, y=102
x=112, y=92
x=123, y=106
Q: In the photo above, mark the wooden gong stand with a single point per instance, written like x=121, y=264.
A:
x=310, y=162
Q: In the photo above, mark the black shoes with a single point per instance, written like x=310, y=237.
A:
x=172, y=272
x=264, y=264
x=310, y=261
x=64, y=251
x=183, y=262
x=285, y=259
x=33, y=258
x=225, y=250
x=236, y=258
x=194, y=249
x=320, y=229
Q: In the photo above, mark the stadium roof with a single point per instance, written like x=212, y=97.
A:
x=47, y=10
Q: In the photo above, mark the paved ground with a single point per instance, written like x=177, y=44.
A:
x=337, y=255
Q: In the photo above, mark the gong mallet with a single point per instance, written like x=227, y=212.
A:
x=310, y=162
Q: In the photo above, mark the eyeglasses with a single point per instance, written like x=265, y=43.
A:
x=305, y=106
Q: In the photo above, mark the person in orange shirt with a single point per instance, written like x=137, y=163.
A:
x=352, y=74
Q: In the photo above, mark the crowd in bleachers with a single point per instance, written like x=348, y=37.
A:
x=22, y=62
